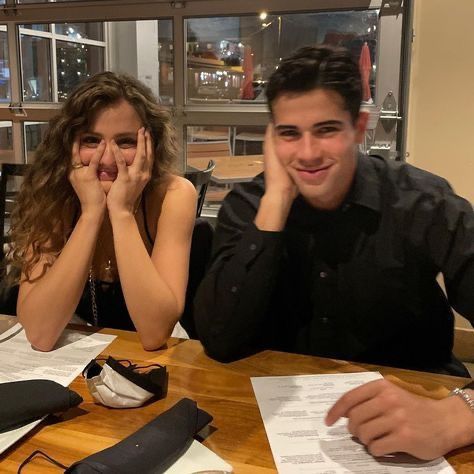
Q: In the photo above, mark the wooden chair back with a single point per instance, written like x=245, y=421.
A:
x=208, y=149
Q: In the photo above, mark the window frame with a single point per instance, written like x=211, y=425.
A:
x=184, y=114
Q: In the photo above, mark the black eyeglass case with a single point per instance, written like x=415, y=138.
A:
x=151, y=449
x=25, y=401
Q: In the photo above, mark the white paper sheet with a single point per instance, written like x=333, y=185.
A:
x=20, y=361
x=199, y=458
x=293, y=410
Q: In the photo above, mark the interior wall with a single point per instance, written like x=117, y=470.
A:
x=441, y=103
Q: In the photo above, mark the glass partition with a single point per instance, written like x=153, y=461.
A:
x=55, y=58
x=6, y=142
x=36, y=68
x=4, y=67
x=229, y=59
x=34, y=133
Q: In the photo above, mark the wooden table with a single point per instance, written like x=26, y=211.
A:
x=224, y=390
x=230, y=169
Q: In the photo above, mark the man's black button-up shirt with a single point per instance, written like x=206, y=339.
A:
x=358, y=283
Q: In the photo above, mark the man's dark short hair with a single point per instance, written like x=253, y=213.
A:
x=318, y=67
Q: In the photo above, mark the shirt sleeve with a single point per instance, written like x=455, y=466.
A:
x=450, y=239
x=231, y=305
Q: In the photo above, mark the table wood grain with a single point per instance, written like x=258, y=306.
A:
x=237, y=433
x=230, y=169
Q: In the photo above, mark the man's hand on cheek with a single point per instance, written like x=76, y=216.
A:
x=277, y=179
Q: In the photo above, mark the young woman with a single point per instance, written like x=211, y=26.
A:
x=102, y=227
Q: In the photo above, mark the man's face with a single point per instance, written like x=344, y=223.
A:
x=316, y=141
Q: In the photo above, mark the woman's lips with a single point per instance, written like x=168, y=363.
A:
x=107, y=175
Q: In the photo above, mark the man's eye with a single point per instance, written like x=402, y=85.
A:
x=288, y=133
x=327, y=130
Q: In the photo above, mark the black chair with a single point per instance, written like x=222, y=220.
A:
x=201, y=245
x=8, y=294
x=7, y=198
x=201, y=180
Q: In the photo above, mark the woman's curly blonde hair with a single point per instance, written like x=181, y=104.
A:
x=47, y=206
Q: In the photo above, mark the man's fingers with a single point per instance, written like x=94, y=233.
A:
x=375, y=428
x=353, y=398
x=391, y=443
x=268, y=147
x=364, y=412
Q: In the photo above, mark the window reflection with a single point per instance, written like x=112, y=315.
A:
x=34, y=133
x=36, y=68
x=78, y=31
x=235, y=150
x=4, y=69
x=230, y=59
x=75, y=62
x=6, y=142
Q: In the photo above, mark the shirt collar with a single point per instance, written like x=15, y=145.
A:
x=365, y=189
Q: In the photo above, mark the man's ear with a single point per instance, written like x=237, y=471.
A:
x=361, y=125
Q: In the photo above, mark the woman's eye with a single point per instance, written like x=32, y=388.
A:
x=90, y=141
x=127, y=143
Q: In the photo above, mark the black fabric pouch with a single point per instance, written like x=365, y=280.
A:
x=28, y=400
x=153, y=448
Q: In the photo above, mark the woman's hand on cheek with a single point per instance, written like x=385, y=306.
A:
x=125, y=192
x=85, y=182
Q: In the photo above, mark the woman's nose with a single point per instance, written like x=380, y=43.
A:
x=108, y=157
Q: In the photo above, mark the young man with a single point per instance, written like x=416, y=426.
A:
x=332, y=253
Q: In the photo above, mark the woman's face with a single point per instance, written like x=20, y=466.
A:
x=118, y=122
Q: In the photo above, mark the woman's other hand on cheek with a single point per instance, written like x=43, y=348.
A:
x=126, y=190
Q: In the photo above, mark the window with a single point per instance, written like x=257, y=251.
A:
x=208, y=61
x=229, y=59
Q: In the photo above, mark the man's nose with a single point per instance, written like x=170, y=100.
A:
x=310, y=148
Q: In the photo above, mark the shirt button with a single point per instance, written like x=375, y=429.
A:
x=324, y=320
x=323, y=275
x=346, y=207
x=253, y=246
x=233, y=289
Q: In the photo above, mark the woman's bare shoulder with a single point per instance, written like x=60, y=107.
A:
x=177, y=187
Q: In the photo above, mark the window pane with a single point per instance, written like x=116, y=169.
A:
x=6, y=142
x=34, y=132
x=93, y=31
x=143, y=49
x=4, y=69
x=36, y=27
x=165, y=61
x=230, y=59
x=236, y=151
x=36, y=68
x=75, y=62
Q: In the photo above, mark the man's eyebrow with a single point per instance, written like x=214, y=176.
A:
x=328, y=122
x=285, y=127
x=325, y=123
